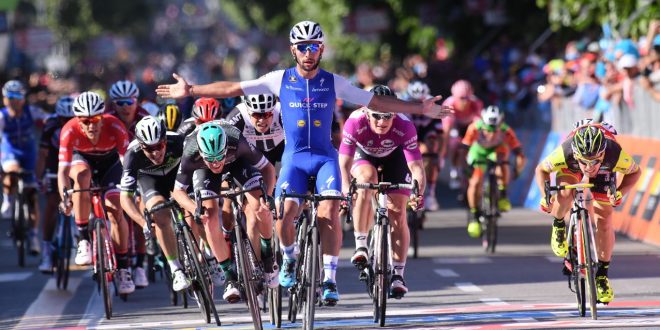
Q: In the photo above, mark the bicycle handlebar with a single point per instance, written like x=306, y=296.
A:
x=314, y=198
x=232, y=192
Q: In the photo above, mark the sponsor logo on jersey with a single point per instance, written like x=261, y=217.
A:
x=292, y=78
x=387, y=143
x=301, y=123
x=412, y=146
x=293, y=88
x=127, y=181
x=317, y=123
x=361, y=130
x=308, y=104
x=347, y=141
x=370, y=143
x=398, y=132
x=320, y=89
x=321, y=82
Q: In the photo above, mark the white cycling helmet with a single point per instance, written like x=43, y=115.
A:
x=63, y=106
x=124, y=89
x=418, y=90
x=88, y=104
x=306, y=31
x=260, y=103
x=492, y=115
x=150, y=130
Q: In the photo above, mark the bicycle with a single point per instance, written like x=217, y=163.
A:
x=63, y=243
x=20, y=222
x=194, y=264
x=156, y=261
x=490, y=212
x=103, y=254
x=415, y=218
x=249, y=269
x=376, y=274
x=304, y=293
x=275, y=294
x=581, y=262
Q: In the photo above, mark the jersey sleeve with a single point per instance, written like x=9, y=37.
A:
x=235, y=118
x=470, y=135
x=511, y=139
x=410, y=146
x=250, y=153
x=626, y=164
x=268, y=83
x=554, y=161
x=349, y=142
x=129, y=175
x=67, y=139
x=346, y=91
x=122, y=139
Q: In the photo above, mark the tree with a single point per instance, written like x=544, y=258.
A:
x=628, y=18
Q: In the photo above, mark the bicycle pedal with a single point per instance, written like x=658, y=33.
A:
x=330, y=303
x=233, y=299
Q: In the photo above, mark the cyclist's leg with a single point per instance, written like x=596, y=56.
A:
x=563, y=201
x=431, y=157
x=604, y=236
x=363, y=170
x=140, y=248
x=503, y=172
x=227, y=216
x=476, y=154
x=328, y=182
x=81, y=174
x=400, y=232
x=9, y=164
x=294, y=180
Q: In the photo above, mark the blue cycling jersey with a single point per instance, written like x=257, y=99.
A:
x=17, y=133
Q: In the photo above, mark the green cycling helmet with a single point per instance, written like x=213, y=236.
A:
x=212, y=142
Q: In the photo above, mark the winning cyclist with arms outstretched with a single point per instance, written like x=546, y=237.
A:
x=308, y=96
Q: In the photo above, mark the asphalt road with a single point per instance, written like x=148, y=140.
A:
x=453, y=284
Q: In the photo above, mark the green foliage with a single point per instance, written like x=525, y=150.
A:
x=629, y=18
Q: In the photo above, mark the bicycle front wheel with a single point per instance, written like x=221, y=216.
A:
x=382, y=275
x=590, y=265
x=246, y=272
x=413, y=225
x=311, y=279
x=63, y=251
x=275, y=294
x=102, y=269
x=576, y=277
x=201, y=283
x=19, y=227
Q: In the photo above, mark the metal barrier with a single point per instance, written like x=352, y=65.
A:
x=642, y=120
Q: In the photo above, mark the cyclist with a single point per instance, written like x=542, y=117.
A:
x=47, y=164
x=489, y=138
x=210, y=151
x=92, y=146
x=431, y=142
x=308, y=96
x=18, y=152
x=171, y=115
x=124, y=96
x=204, y=110
x=592, y=150
x=150, y=162
x=388, y=140
x=467, y=110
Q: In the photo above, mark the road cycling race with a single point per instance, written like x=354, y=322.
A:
x=207, y=164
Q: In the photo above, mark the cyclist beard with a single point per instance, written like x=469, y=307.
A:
x=316, y=65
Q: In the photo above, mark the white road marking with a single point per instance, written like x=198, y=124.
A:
x=493, y=301
x=445, y=272
x=95, y=310
x=49, y=305
x=14, y=277
x=462, y=260
x=468, y=287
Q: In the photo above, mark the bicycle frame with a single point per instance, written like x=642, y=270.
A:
x=20, y=221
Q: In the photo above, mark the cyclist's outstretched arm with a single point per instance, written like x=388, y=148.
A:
x=128, y=204
x=181, y=88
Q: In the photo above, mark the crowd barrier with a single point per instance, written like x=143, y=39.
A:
x=637, y=216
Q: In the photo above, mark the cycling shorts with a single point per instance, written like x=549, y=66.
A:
x=26, y=160
x=297, y=167
x=151, y=186
x=394, y=165
x=106, y=172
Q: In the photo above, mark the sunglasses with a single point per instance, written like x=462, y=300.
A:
x=383, y=116
x=124, y=102
x=214, y=159
x=261, y=115
x=156, y=147
x=90, y=120
x=15, y=97
x=303, y=48
x=589, y=162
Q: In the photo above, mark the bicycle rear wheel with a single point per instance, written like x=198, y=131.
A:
x=311, y=278
x=590, y=271
x=201, y=283
x=19, y=228
x=63, y=251
x=102, y=268
x=247, y=276
x=275, y=294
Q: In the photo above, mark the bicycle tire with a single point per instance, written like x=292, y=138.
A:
x=63, y=251
x=275, y=294
x=102, y=267
x=491, y=228
x=382, y=273
x=249, y=280
x=19, y=230
x=195, y=288
x=201, y=279
x=578, y=281
x=296, y=292
x=311, y=279
x=413, y=225
x=589, y=274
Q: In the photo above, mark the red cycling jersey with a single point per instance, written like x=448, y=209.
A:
x=140, y=113
x=114, y=138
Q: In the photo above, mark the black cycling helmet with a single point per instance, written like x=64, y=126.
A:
x=382, y=90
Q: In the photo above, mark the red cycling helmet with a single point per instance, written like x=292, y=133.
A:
x=205, y=109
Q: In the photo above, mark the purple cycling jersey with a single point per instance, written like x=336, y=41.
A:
x=357, y=133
